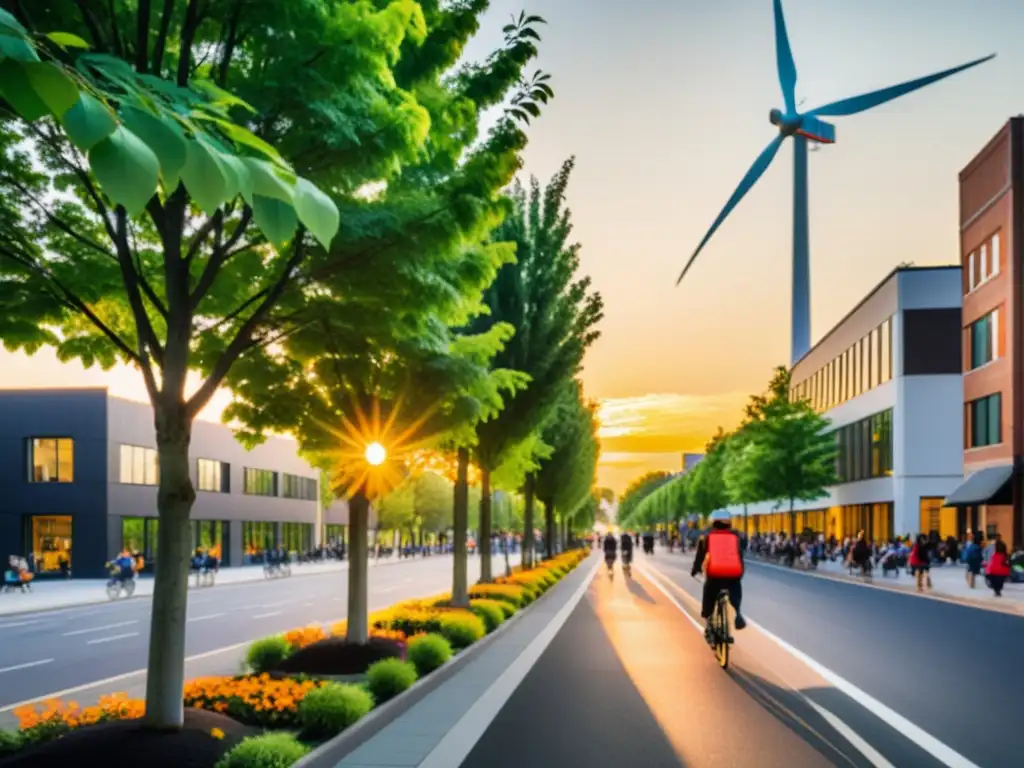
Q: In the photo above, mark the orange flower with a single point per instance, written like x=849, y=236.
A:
x=217, y=733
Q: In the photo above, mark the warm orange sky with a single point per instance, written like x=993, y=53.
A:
x=665, y=105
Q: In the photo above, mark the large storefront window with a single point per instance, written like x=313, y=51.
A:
x=50, y=541
x=865, y=448
x=937, y=519
x=875, y=520
x=297, y=537
x=257, y=538
x=208, y=535
x=139, y=536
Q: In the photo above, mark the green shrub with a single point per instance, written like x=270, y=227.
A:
x=489, y=611
x=326, y=712
x=266, y=653
x=270, y=750
x=462, y=628
x=388, y=678
x=506, y=607
x=428, y=652
x=510, y=593
x=10, y=742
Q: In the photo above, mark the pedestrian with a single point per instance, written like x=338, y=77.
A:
x=998, y=568
x=973, y=558
x=920, y=562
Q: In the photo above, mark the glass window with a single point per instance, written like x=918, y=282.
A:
x=885, y=349
x=985, y=416
x=139, y=465
x=214, y=476
x=865, y=367
x=51, y=460
x=260, y=482
x=970, y=271
x=983, y=340
x=51, y=543
x=983, y=259
x=995, y=254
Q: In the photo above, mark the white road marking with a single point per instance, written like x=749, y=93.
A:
x=917, y=735
x=266, y=615
x=456, y=745
x=208, y=616
x=112, y=638
x=19, y=623
x=99, y=629
x=106, y=682
x=872, y=754
x=25, y=665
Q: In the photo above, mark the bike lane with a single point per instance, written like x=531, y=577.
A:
x=629, y=681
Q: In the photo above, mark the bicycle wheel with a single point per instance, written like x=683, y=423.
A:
x=113, y=590
x=722, y=631
x=129, y=588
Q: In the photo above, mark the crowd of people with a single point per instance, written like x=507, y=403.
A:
x=918, y=555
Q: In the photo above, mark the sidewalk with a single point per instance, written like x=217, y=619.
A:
x=49, y=595
x=948, y=581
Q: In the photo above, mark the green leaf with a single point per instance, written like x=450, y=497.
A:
x=275, y=218
x=16, y=48
x=316, y=211
x=238, y=172
x=241, y=135
x=11, y=23
x=58, y=91
x=267, y=182
x=126, y=169
x=88, y=122
x=16, y=88
x=67, y=40
x=219, y=96
x=204, y=176
x=162, y=135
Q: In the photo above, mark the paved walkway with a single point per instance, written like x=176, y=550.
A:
x=51, y=594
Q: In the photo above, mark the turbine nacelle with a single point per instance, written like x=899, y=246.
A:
x=807, y=126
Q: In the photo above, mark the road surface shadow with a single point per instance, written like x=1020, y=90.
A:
x=637, y=590
x=577, y=706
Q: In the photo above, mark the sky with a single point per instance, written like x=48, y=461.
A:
x=664, y=104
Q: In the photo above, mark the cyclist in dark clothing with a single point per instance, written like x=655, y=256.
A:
x=610, y=548
x=627, y=548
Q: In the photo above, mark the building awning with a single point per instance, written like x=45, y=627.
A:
x=986, y=486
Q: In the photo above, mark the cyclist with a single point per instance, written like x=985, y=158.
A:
x=627, y=548
x=720, y=556
x=610, y=546
x=125, y=565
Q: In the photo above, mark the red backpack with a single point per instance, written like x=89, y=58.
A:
x=723, y=555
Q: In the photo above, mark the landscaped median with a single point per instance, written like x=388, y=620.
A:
x=302, y=688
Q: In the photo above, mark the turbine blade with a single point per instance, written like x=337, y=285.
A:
x=756, y=171
x=866, y=101
x=784, y=60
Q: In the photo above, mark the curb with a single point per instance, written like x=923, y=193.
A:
x=331, y=752
x=1008, y=608
x=191, y=589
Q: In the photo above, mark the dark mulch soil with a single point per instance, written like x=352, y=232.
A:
x=336, y=656
x=105, y=743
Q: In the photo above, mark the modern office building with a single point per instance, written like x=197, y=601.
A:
x=991, y=215
x=888, y=378
x=78, y=471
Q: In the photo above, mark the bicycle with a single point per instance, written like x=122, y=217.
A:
x=718, y=624
x=116, y=584
x=627, y=568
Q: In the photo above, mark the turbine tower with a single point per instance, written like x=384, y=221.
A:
x=805, y=127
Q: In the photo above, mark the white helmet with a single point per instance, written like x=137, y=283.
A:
x=721, y=516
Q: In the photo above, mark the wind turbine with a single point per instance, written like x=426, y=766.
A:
x=803, y=127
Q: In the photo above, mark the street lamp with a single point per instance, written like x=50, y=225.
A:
x=376, y=454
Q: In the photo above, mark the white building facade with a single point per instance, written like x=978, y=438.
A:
x=888, y=377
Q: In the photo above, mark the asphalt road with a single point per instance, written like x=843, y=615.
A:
x=53, y=651
x=629, y=681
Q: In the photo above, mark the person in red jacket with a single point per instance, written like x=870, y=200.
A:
x=920, y=563
x=720, y=556
x=998, y=568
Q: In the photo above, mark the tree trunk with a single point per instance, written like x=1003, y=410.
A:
x=460, y=524
x=527, y=555
x=549, y=528
x=485, y=526
x=358, y=562
x=165, y=678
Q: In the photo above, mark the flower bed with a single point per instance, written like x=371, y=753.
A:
x=407, y=641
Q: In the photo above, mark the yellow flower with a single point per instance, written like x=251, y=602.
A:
x=217, y=733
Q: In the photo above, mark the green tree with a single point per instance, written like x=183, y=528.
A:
x=565, y=480
x=396, y=509
x=555, y=314
x=427, y=231
x=706, y=489
x=432, y=501
x=636, y=492
x=149, y=216
x=794, y=451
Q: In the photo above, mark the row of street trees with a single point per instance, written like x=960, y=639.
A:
x=782, y=451
x=297, y=202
